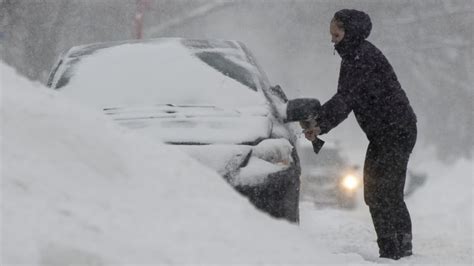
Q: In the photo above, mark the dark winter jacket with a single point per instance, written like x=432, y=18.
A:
x=367, y=84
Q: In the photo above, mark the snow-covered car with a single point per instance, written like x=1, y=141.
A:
x=328, y=179
x=209, y=97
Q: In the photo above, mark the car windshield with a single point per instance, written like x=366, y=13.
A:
x=226, y=57
x=164, y=72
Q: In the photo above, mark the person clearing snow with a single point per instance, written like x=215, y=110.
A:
x=369, y=86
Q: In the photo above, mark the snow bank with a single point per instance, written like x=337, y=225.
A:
x=442, y=213
x=78, y=189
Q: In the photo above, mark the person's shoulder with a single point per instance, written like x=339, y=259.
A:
x=367, y=48
x=369, y=52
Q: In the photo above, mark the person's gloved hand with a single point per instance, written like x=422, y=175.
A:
x=311, y=134
x=310, y=129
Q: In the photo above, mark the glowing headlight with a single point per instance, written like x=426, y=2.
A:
x=350, y=182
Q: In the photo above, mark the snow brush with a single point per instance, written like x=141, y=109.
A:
x=305, y=111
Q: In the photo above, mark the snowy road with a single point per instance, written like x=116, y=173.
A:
x=441, y=215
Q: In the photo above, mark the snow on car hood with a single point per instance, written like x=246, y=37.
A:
x=170, y=89
x=195, y=124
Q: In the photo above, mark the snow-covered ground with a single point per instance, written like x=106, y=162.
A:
x=77, y=189
x=441, y=213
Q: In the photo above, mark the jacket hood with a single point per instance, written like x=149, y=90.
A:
x=357, y=26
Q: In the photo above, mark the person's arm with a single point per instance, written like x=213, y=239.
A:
x=354, y=77
x=333, y=112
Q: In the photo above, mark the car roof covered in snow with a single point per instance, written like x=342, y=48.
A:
x=163, y=71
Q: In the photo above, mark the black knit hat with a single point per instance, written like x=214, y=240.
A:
x=356, y=23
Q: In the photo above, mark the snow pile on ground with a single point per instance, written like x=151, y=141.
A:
x=77, y=189
x=441, y=212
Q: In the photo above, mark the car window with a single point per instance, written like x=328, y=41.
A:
x=66, y=76
x=227, y=57
x=228, y=67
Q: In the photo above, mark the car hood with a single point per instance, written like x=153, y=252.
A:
x=236, y=142
x=196, y=124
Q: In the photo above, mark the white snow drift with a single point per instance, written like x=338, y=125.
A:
x=78, y=189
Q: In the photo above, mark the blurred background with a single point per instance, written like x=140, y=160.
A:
x=429, y=43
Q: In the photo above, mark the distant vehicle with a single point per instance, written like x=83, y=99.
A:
x=328, y=180
x=209, y=97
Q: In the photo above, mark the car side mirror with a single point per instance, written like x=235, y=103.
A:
x=278, y=91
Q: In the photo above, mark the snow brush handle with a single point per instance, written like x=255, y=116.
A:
x=317, y=145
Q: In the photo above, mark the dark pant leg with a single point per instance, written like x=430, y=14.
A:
x=384, y=180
